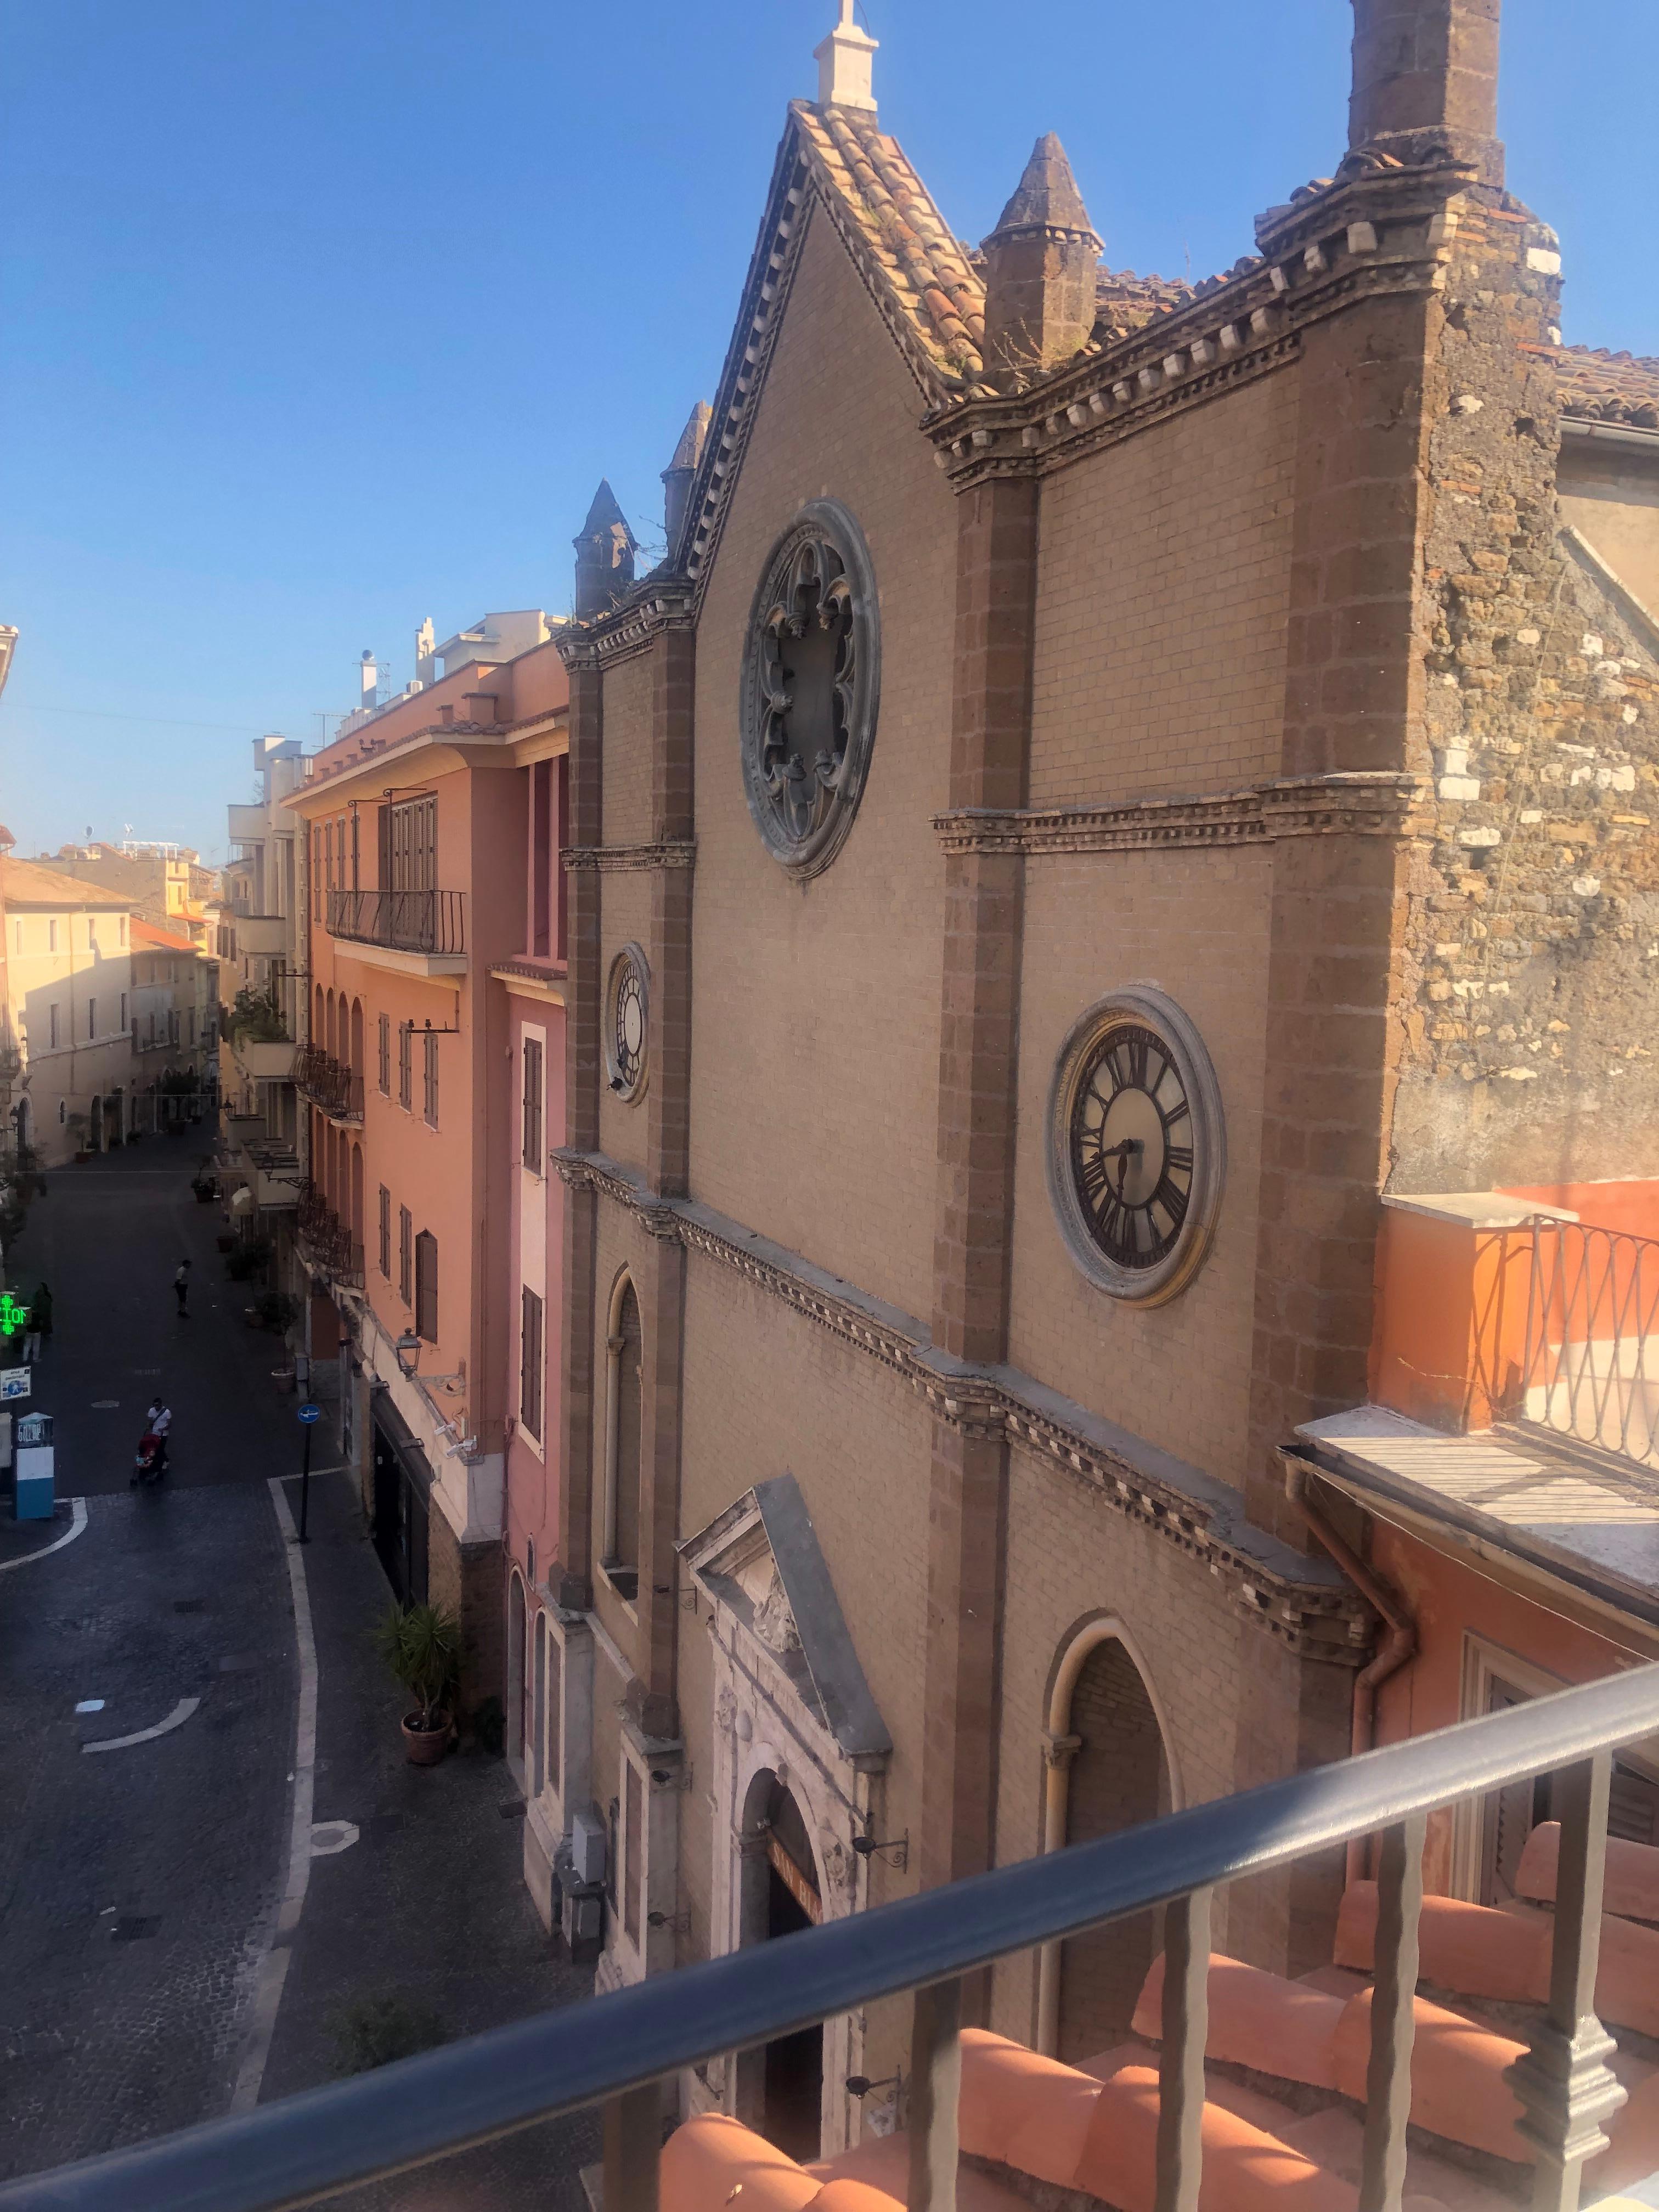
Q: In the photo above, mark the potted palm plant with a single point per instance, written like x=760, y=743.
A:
x=422, y=1645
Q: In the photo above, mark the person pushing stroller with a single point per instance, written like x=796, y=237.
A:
x=152, y=1460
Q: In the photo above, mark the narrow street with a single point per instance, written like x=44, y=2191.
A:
x=139, y=1887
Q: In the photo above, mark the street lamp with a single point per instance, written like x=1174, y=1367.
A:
x=408, y=1349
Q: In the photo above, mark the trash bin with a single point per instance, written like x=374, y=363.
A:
x=33, y=1456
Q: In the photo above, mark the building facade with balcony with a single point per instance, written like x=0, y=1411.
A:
x=416, y=828
x=979, y=1118
x=174, y=1016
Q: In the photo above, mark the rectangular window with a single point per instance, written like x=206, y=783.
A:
x=121, y=930
x=328, y=854
x=51, y=937
x=429, y=1081
x=17, y=937
x=532, y=1105
x=92, y=1018
x=193, y=1027
x=385, y=1055
x=530, y=1364
x=355, y=850
x=92, y=934
x=405, y=1255
x=317, y=911
x=412, y=837
x=123, y=1015
x=54, y=1026
x=406, y=1067
x=426, y=1287
x=385, y=1233
x=633, y=1847
x=555, y=1733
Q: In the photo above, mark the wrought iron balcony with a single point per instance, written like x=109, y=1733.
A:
x=401, y=922
x=615, y=2050
x=330, y=1087
x=327, y=1241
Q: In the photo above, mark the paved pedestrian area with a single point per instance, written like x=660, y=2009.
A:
x=139, y=1885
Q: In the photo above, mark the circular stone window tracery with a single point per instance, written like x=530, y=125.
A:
x=628, y=1023
x=1137, y=1150
x=811, y=680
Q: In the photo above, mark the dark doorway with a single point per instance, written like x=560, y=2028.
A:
x=783, y=2093
x=400, y=1511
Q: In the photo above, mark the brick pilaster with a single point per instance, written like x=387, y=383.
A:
x=652, y=1693
x=996, y=566
x=1353, y=700
x=668, y=1099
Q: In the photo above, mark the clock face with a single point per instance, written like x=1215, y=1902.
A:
x=1132, y=1146
x=628, y=1031
x=1137, y=1150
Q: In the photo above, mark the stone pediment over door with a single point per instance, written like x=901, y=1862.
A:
x=759, y=1563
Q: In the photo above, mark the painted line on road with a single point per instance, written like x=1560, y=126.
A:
x=180, y=1713
x=79, y=1505
x=273, y=1966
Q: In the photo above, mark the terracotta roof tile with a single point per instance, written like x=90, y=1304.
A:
x=1600, y=386
x=931, y=285
x=26, y=883
x=1125, y=303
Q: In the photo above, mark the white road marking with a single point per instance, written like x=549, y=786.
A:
x=180, y=1713
x=330, y=1836
x=273, y=1966
x=105, y=1405
x=47, y=1550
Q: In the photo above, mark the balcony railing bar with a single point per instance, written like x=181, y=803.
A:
x=307, y=2147
x=330, y=1085
x=1592, y=1345
x=402, y=921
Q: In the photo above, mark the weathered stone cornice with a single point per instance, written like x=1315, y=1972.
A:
x=1366, y=805
x=1365, y=235
x=622, y=860
x=1299, y=1602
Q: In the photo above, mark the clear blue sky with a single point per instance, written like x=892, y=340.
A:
x=323, y=316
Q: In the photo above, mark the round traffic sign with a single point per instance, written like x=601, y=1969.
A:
x=310, y=1412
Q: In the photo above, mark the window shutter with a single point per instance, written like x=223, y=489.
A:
x=426, y=1287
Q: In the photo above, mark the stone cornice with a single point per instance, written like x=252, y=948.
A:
x=657, y=603
x=1383, y=232
x=1298, y=1602
x=622, y=860
x=1366, y=806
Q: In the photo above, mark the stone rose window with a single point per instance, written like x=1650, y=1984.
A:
x=811, y=679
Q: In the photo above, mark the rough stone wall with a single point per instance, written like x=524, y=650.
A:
x=1527, y=984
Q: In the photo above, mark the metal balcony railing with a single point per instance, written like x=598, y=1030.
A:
x=617, y=2049
x=402, y=921
x=1592, y=1357
x=324, y=1239
x=330, y=1085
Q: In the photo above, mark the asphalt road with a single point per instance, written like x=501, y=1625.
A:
x=139, y=1886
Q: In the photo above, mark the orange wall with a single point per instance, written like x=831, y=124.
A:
x=1451, y=1319
x=1632, y=1207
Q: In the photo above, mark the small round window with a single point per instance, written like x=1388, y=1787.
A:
x=627, y=1022
x=812, y=680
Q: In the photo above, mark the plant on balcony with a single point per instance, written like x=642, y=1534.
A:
x=254, y=1017
x=422, y=1645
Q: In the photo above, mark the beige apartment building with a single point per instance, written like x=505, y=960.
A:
x=69, y=978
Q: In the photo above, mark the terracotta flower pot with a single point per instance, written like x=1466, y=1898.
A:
x=425, y=1747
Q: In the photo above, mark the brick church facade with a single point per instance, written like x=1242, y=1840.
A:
x=1034, y=846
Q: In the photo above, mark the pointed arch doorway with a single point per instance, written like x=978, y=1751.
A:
x=781, y=2087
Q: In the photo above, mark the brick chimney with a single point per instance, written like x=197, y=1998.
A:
x=605, y=556
x=1425, y=81
x=678, y=476
x=1040, y=270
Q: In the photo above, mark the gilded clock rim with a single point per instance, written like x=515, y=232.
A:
x=1138, y=1006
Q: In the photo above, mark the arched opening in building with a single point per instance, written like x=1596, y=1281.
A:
x=781, y=2087
x=619, y=1550
x=1108, y=1769
x=331, y=1041
x=356, y=1035
x=515, y=1659
x=536, y=1760
x=95, y=1126
x=317, y=1032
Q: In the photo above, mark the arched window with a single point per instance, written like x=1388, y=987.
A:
x=317, y=1018
x=356, y=1028
x=619, y=1554
x=515, y=1666
x=329, y=1038
x=1107, y=1770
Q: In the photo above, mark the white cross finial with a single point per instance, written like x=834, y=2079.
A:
x=843, y=61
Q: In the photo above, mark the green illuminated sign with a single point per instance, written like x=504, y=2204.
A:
x=13, y=1316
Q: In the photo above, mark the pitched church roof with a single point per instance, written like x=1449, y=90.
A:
x=1600, y=386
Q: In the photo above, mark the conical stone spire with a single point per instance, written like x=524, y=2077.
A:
x=605, y=554
x=1040, y=269
x=678, y=476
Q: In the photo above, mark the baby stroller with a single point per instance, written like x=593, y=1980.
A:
x=150, y=1464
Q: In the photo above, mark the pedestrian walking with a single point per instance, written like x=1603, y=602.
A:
x=40, y=1324
x=152, y=1463
x=181, y=1288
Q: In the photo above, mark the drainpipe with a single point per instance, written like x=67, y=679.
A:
x=1396, y=1647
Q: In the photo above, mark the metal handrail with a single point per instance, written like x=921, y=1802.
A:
x=329, y=1084
x=616, y=2047
x=402, y=921
x=1591, y=1367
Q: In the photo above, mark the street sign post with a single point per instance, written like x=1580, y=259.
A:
x=310, y=1413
